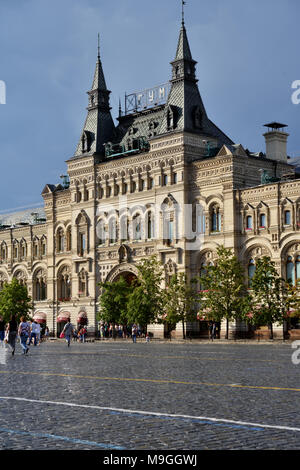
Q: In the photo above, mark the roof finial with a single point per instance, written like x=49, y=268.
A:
x=98, y=46
x=182, y=4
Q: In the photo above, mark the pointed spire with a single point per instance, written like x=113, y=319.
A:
x=99, y=126
x=99, y=80
x=183, y=48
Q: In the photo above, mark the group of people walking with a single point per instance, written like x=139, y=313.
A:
x=120, y=331
x=69, y=332
x=25, y=330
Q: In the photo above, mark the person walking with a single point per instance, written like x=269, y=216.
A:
x=68, y=332
x=134, y=333
x=24, y=332
x=82, y=333
x=102, y=332
x=212, y=329
x=11, y=330
x=2, y=330
x=46, y=333
x=35, y=329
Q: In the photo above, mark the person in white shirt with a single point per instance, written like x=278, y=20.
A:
x=35, y=332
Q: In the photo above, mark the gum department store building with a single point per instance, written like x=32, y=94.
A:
x=119, y=202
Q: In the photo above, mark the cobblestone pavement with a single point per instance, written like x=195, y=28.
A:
x=120, y=395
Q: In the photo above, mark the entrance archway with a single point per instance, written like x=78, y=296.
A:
x=128, y=271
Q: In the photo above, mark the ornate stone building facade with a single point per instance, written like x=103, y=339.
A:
x=163, y=177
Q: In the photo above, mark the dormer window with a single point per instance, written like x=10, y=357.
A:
x=198, y=117
x=86, y=141
x=170, y=120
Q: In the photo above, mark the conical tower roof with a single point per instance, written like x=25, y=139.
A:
x=99, y=126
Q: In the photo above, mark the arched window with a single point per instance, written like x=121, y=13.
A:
x=35, y=248
x=82, y=234
x=3, y=252
x=124, y=228
x=101, y=232
x=23, y=249
x=251, y=271
x=40, y=286
x=100, y=191
x=44, y=246
x=215, y=219
x=150, y=183
x=262, y=221
x=168, y=219
x=124, y=188
x=150, y=225
x=64, y=285
x=15, y=250
x=137, y=227
x=60, y=240
x=249, y=222
x=112, y=229
x=116, y=189
x=287, y=218
x=133, y=186
x=290, y=271
x=199, y=219
x=82, y=243
x=82, y=283
x=69, y=238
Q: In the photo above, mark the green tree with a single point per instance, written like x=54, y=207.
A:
x=14, y=300
x=180, y=299
x=145, y=303
x=269, y=295
x=113, y=301
x=224, y=294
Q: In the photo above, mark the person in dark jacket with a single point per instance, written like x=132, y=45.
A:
x=12, y=329
x=68, y=332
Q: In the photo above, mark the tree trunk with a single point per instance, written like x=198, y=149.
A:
x=271, y=330
x=183, y=330
x=227, y=329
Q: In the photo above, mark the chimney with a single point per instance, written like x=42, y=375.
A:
x=276, y=142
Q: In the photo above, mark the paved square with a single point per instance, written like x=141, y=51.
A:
x=120, y=395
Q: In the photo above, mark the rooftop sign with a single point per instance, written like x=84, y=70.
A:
x=141, y=100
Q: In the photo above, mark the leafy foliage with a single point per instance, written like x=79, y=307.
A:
x=224, y=294
x=268, y=294
x=145, y=303
x=14, y=300
x=113, y=301
x=180, y=299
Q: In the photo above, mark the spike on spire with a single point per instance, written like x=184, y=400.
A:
x=182, y=12
x=98, y=46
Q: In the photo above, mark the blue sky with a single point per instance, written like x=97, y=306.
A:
x=247, y=53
